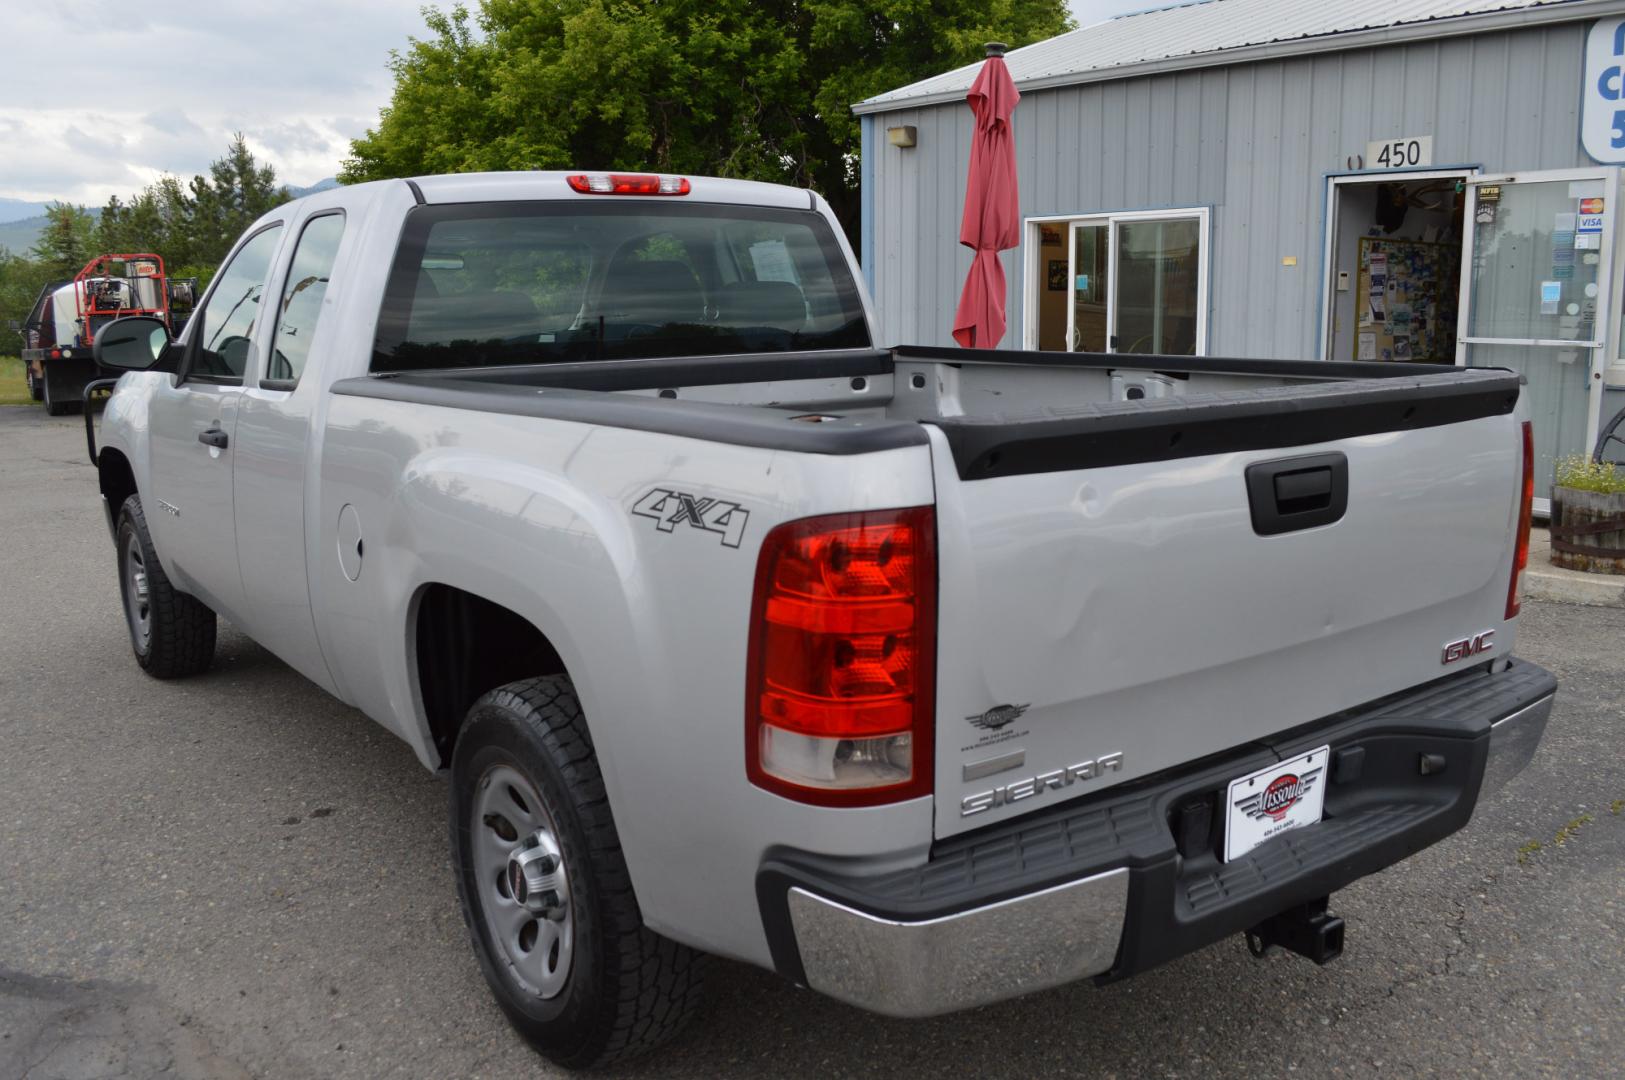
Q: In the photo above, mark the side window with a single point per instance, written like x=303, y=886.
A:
x=225, y=322
x=301, y=304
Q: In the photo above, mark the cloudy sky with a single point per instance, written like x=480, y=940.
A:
x=93, y=106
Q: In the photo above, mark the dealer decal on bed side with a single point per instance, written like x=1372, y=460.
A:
x=673, y=508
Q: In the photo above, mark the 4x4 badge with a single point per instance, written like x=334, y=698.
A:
x=998, y=716
x=671, y=508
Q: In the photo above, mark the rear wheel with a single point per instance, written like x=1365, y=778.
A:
x=544, y=888
x=35, y=390
x=54, y=406
x=171, y=633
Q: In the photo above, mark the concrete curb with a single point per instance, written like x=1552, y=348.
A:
x=1543, y=581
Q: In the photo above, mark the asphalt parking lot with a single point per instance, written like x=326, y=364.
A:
x=235, y=875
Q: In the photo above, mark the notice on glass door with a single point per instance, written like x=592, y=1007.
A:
x=1551, y=294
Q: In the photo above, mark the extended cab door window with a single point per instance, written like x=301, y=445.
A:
x=223, y=327
x=301, y=303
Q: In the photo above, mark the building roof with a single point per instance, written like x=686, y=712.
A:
x=1213, y=32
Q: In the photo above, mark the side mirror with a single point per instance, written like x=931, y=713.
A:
x=133, y=344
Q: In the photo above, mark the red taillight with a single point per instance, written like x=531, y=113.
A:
x=842, y=665
x=627, y=184
x=1520, y=557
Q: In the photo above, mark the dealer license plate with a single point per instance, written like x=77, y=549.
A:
x=1286, y=795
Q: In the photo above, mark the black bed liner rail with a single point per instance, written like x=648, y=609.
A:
x=1344, y=400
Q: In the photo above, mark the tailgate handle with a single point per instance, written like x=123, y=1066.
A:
x=1295, y=493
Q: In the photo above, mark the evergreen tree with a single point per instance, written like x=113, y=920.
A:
x=66, y=242
x=193, y=224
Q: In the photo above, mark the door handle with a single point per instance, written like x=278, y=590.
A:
x=213, y=437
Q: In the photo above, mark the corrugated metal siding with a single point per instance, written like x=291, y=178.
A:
x=1254, y=142
x=1200, y=29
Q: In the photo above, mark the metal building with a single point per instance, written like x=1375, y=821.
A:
x=1389, y=180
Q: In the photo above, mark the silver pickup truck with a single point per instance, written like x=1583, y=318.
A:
x=923, y=677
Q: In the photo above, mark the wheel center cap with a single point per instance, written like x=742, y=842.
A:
x=536, y=878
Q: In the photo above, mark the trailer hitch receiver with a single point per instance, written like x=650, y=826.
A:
x=1307, y=929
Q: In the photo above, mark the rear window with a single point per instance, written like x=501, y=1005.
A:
x=526, y=283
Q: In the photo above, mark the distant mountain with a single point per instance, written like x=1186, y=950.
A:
x=19, y=236
x=18, y=209
x=22, y=222
x=320, y=185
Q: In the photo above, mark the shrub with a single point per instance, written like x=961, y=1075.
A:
x=1578, y=471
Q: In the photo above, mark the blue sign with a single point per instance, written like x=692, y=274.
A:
x=1602, y=105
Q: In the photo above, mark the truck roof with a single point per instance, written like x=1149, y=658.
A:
x=520, y=186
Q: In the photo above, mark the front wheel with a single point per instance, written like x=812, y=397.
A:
x=545, y=891
x=171, y=633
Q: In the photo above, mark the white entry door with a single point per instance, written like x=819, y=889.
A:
x=1535, y=289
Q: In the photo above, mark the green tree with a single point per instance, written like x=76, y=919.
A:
x=66, y=241
x=193, y=224
x=237, y=191
x=730, y=87
x=20, y=282
x=155, y=219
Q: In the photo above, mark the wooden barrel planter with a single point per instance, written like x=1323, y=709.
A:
x=1588, y=530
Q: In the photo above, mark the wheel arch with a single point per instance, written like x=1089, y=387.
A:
x=464, y=645
x=116, y=479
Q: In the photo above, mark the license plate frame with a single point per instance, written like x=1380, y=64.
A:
x=1275, y=799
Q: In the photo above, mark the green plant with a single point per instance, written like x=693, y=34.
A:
x=1583, y=474
x=752, y=89
x=13, y=386
x=1572, y=829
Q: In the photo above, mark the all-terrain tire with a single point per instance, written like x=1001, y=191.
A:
x=628, y=989
x=180, y=629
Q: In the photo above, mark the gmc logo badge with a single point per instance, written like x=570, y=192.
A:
x=1460, y=650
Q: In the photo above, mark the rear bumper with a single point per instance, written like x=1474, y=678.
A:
x=1101, y=887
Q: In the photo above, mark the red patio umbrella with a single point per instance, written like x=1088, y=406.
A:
x=992, y=219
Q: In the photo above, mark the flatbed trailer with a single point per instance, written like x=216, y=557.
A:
x=62, y=325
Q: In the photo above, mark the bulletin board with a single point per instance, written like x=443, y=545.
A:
x=1405, y=301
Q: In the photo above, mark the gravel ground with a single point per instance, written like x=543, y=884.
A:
x=235, y=875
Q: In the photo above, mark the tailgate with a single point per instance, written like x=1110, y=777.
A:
x=1102, y=619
